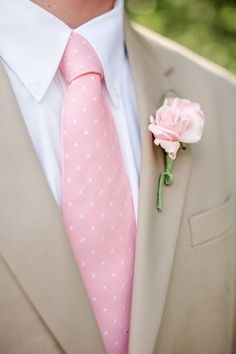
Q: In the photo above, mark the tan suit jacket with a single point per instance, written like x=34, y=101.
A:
x=184, y=294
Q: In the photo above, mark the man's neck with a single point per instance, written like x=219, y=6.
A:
x=76, y=12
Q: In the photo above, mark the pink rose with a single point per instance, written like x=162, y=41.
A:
x=177, y=121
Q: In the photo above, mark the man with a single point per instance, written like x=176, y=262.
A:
x=183, y=293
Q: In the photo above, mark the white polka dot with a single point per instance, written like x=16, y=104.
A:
x=113, y=275
x=90, y=180
x=94, y=299
x=80, y=191
x=76, y=144
x=105, y=309
x=74, y=121
x=73, y=100
x=83, y=264
x=68, y=180
x=116, y=344
x=94, y=99
x=103, y=263
x=81, y=216
x=71, y=228
x=102, y=216
x=93, y=275
x=91, y=204
x=82, y=240
x=92, y=228
x=85, y=109
x=88, y=156
x=106, y=333
x=86, y=132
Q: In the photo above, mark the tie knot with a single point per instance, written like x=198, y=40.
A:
x=79, y=59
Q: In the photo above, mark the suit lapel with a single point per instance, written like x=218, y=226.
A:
x=33, y=242
x=157, y=232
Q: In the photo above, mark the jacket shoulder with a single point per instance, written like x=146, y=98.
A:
x=170, y=53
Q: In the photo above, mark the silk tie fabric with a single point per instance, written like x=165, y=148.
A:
x=96, y=196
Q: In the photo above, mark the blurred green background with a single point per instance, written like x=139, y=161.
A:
x=206, y=26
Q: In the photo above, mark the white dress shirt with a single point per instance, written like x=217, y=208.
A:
x=32, y=43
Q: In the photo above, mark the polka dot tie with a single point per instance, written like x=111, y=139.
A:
x=96, y=195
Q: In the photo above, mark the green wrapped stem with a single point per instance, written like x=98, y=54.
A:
x=166, y=178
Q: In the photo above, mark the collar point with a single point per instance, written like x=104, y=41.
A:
x=37, y=90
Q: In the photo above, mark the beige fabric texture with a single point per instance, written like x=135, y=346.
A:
x=185, y=288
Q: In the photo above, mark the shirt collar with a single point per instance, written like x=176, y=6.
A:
x=34, y=55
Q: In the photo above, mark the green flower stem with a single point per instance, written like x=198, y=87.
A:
x=165, y=178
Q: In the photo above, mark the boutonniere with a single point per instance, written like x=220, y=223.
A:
x=176, y=123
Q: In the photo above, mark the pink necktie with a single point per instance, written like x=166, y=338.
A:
x=97, y=204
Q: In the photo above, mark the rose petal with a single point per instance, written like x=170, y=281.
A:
x=171, y=147
x=193, y=132
x=163, y=133
x=167, y=115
